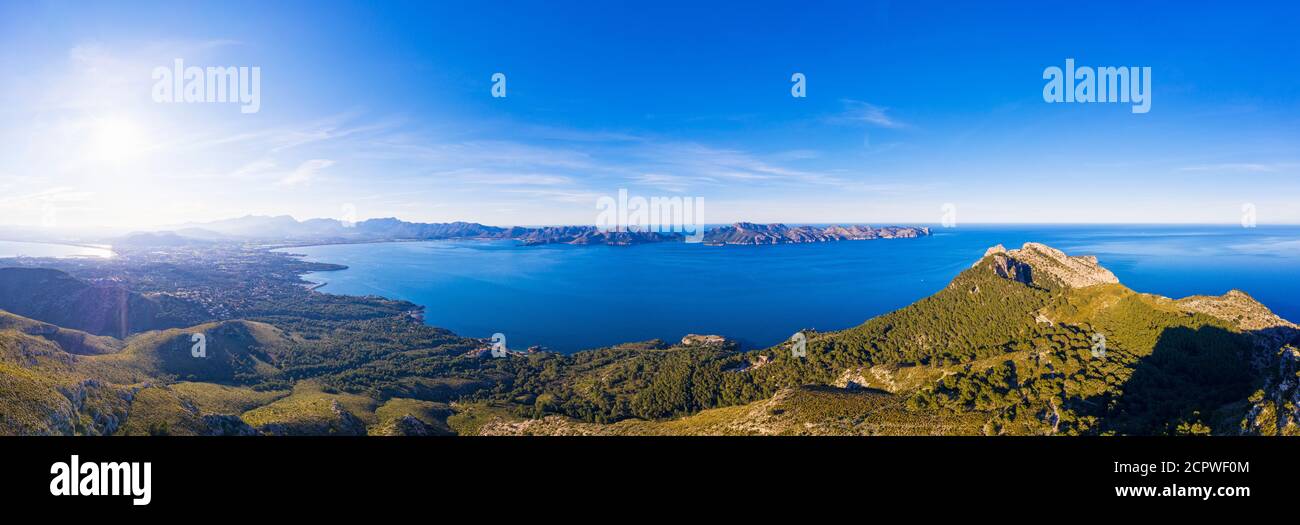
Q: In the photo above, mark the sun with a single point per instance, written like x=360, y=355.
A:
x=115, y=140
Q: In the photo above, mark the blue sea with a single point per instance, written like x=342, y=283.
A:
x=569, y=298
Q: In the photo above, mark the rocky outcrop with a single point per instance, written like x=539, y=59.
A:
x=1275, y=409
x=703, y=340
x=1239, y=308
x=406, y=425
x=1008, y=268
x=1042, y=265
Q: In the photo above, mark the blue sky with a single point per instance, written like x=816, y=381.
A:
x=387, y=110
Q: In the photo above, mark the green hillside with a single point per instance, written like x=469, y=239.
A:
x=236, y=352
x=55, y=297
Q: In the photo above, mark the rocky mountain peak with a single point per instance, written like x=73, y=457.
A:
x=1036, y=263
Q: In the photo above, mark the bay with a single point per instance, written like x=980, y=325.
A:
x=569, y=298
x=40, y=249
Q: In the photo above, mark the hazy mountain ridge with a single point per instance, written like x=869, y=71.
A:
x=286, y=229
x=750, y=233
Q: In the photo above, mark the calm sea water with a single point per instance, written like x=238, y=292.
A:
x=38, y=249
x=569, y=298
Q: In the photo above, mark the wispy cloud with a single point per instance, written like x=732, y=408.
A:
x=670, y=183
x=481, y=176
x=1268, y=167
x=29, y=207
x=586, y=198
x=252, y=169
x=477, y=153
x=305, y=172
x=708, y=164
x=284, y=137
x=57, y=194
x=859, y=112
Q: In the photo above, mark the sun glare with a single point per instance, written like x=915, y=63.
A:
x=115, y=140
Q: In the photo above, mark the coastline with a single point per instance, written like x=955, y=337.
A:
x=64, y=243
x=273, y=247
x=107, y=248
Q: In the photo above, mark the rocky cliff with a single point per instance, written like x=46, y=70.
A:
x=1043, y=265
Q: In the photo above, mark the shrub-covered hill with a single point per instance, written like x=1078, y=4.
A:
x=57, y=298
x=72, y=341
x=1026, y=341
x=154, y=384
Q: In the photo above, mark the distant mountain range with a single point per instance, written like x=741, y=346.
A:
x=750, y=233
x=287, y=230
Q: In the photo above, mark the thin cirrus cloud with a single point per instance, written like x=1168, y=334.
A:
x=38, y=205
x=481, y=176
x=305, y=172
x=859, y=112
x=670, y=183
x=586, y=163
x=284, y=137
x=703, y=164
x=252, y=169
x=1255, y=167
